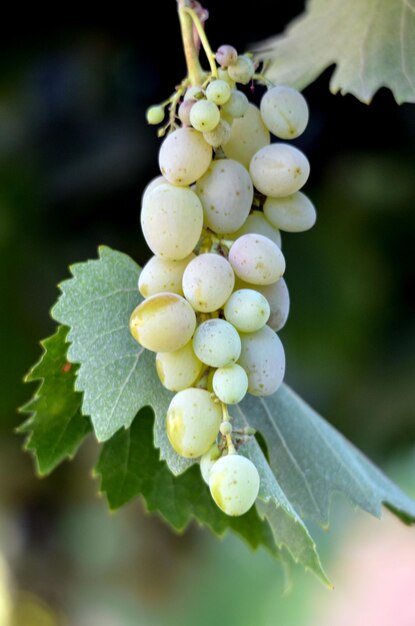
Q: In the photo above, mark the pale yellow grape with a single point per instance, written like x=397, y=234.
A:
x=226, y=193
x=257, y=223
x=208, y=282
x=237, y=105
x=248, y=135
x=179, y=369
x=263, y=359
x=223, y=75
x=193, y=421
x=158, y=180
x=230, y=383
x=247, y=310
x=219, y=135
x=172, y=221
x=284, y=111
x=160, y=275
x=279, y=170
x=217, y=343
x=242, y=70
x=204, y=115
x=218, y=91
x=257, y=260
x=163, y=323
x=184, y=156
x=279, y=301
x=207, y=461
x=234, y=484
x=184, y=111
x=294, y=214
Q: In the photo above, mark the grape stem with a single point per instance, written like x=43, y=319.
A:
x=227, y=418
x=189, y=19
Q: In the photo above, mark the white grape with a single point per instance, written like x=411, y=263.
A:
x=184, y=156
x=279, y=302
x=247, y=310
x=226, y=193
x=279, y=170
x=160, y=275
x=193, y=93
x=163, y=323
x=218, y=91
x=230, y=383
x=208, y=282
x=155, y=182
x=226, y=55
x=295, y=213
x=257, y=224
x=193, y=421
x=207, y=461
x=242, y=70
x=155, y=114
x=234, y=484
x=217, y=343
x=248, y=135
x=184, y=111
x=284, y=111
x=257, y=260
x=169, y=212
x=179, y=369
x=237, y=105
x=204, y=115
x=219, y=135
x=223, y=75
x=263, y=359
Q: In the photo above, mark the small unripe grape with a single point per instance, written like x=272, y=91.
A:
x=230, y=384
x=257, y=260
x=218, y=91
x=217, y=343
x=163, y=323
x=204, y=115
x=155, y=115
x=220, y=135
x=193, y=421
x=295, y=213
x=284, y=111
x=179, y=369
x=184, y=111
x=237, y=105
x=247, y=310
x=234, y=484
x=184, y=156
x=226, y=427
x=279, y=170
x=207, y=461
x=226, y=55
x=242, y=70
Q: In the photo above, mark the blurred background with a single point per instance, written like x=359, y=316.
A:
x=75, y=155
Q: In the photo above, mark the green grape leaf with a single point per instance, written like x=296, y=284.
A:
x=311, y=460
x=56, y=427
x=372, y=44
x=129, y=466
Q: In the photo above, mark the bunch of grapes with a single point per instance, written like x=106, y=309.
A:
x=214, y=292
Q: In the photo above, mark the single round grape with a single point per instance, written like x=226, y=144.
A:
x=230, y=383
x=172, y=221
x=248, y=135
x=279, y=303
x=247, y=310
x=160, y=275
x=242, y=70
x=218, y=91
x=257, y=260
x=237, y=105
x=284, y=111
x=219, y=135
x=155, y=114
x=163, y=323
x=207, y=461
x=226, y=193
x=193, y=93
x=294, y=213
x=184, y=111
x=179, y=369
x=193, y=421
x=279, y=170
x=263, y=359
x=184, y=156
x=223, y=75
x=208, y=282
x=234, y=484
x=155, y=182
x=257, y=223
x=204, y=115
x=217, y=343
x=226, y=55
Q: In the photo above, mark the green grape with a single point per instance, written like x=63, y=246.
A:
x=179, y=369
x=263, y=359
x=242, y=70
x=257, y=224
x=234, y=484
x=248, y=135
x=219, y=135
x=217, y=343
x=167, y=213
x=208, y=282
x=279, y=170
x=193, y=421
x=226, y=193
x=295, y=213
x=257, y=260
x=223, y=75
x=207, y=461
x=160, y=275
x=226, y=55
x=284, y=111
x=230, y=383
x=184, y=156
x=237, y=105
x=204, y=115
x=163, y=323
x=247, y=310
x=155, y=115
x=218, y=91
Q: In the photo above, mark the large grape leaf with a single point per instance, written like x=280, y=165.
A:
x=56, y=427
x=371, y=42
x=311, y=460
